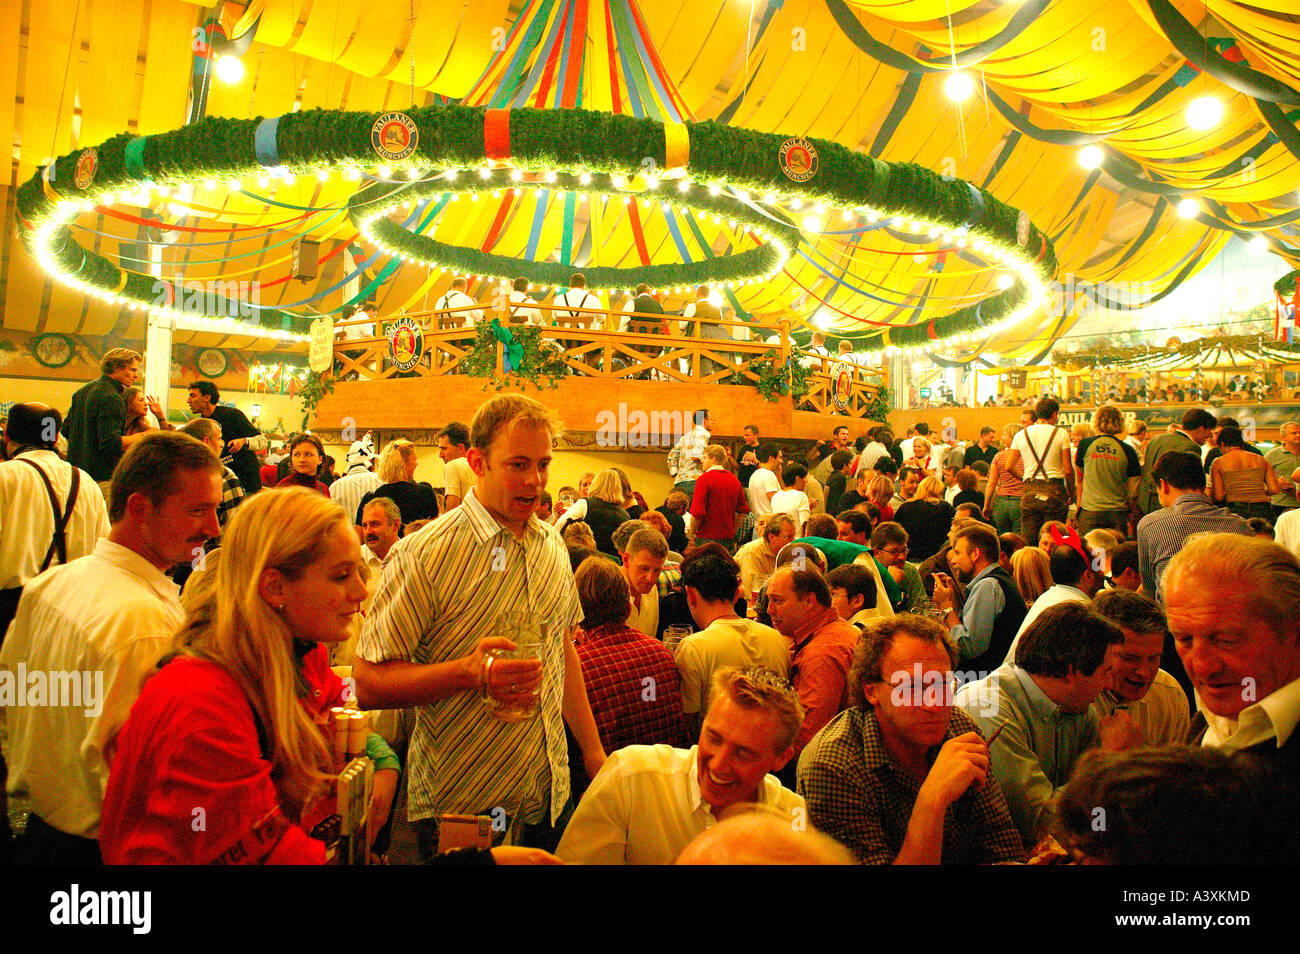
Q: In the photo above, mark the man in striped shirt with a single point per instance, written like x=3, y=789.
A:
x=433, y=620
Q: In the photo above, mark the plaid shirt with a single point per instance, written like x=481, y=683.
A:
x=860, y=796
x=1161, y=534
x=633, y=687
x=670, y=579
x=232, y=494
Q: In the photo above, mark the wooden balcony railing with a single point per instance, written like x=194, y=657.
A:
x=590, y=345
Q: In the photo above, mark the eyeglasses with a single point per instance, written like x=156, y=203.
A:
x=897, y=551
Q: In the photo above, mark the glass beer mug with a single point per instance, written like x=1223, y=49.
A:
x=525, y=632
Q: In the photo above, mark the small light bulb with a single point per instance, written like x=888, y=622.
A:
x=1091, y=156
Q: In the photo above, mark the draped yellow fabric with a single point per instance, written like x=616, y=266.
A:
x=1080, y=68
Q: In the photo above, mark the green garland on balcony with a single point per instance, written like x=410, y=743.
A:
x=776, y=379
x=539, y=366
x=877, y=409
x=542, y=141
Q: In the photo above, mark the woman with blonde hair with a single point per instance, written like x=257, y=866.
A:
x=231, y=723
x=397, y=464
x=927, y=518
x=1032, y=571
x=602, y=510
x=920, y=458
x=879, y=490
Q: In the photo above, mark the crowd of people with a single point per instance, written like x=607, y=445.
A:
x=920, y=650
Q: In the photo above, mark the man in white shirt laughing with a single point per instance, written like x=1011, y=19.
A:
x=649, y=801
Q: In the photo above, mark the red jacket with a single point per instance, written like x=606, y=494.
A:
x=189, y=784
x=718, y=497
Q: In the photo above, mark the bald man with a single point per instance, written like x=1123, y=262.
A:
x=762, y=838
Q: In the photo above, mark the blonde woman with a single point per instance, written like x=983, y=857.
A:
x=601, y=509
x=921, y=458
x=396, y=469
x=1032, y=571
x=927, y=518
x=878, y=490
x=230, y=726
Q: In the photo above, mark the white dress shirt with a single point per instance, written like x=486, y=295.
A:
x=348, y=490
x=577, y=304
x=1057, y=593
x=519, y=302
x=644, y=806
x=761, y=483
x=458, y=477
x=458, y=299
x=112, y=615
x=27, y=520
x=1273, y=717
x=645, y=619
x=726, y=642
x=796, y=504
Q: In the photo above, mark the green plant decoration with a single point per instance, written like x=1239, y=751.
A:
x=542, y=367
x=314, y=388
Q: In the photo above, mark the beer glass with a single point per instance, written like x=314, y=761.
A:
x=526, y=633
x=673, y=636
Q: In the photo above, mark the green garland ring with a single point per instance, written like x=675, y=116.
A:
x=453, y=136
x=753, y=264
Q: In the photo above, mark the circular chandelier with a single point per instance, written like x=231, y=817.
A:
x=769, y=191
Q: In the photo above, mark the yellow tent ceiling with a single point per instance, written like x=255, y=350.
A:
x=88, y=69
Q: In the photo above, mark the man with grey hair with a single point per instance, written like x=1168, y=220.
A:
x=1285, y=459
x=98, y=416
x=208, y=431
x=1231, y=602
x=649, y=802
x=643, y=554
x=381, y=525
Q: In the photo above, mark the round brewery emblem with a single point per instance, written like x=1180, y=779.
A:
x=1022, y=229
x=843, y=385
x=798, y=159
x=87, y=165
x=405, y=343
x=394, y=136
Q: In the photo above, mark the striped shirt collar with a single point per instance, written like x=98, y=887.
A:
x=485, y=526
